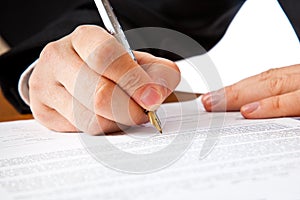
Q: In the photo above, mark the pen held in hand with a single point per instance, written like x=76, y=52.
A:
x=113, y=26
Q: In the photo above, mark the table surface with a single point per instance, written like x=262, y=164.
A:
x=7, y=111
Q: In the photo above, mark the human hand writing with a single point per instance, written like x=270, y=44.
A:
x=274, y=93
x=87, y=81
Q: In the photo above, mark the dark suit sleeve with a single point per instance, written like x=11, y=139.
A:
x=22, y=55
x=292, y=10
x=204, y=20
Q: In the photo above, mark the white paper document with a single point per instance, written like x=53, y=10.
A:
x=200, y=155
x=250, y=159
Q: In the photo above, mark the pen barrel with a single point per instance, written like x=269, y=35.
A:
x=122, y=39
x=112, y=24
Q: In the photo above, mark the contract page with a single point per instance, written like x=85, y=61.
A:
x=213, y=156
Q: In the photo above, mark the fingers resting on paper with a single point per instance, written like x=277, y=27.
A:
x=273, y=93
x=87, y=81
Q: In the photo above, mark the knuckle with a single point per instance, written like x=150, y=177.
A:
x=50, y=52
x=276, y=85
x=267, y=74
x=276, y=103
x=83, y=30
x=80, y=30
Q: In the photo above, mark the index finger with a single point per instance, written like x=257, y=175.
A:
x=267, y=84
x=106, y=56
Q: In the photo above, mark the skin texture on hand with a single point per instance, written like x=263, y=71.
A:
x=87, y=82
x=271, y=94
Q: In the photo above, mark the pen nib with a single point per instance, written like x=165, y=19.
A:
x=154, y=120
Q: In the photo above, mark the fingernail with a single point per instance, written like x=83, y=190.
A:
x=206, y=97
x=249, y=108
x=151, y=98
x=212, y=98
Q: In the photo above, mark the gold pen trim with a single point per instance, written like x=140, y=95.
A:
x=174, y=97
x=154, y=120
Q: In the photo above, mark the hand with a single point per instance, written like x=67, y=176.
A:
x=86, y=81
x=274, y=93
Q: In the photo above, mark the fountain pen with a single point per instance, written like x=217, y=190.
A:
x=113, y=26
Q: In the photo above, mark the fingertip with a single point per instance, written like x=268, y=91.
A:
x=251, y=111
x=206, y=102
x=214, y=101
